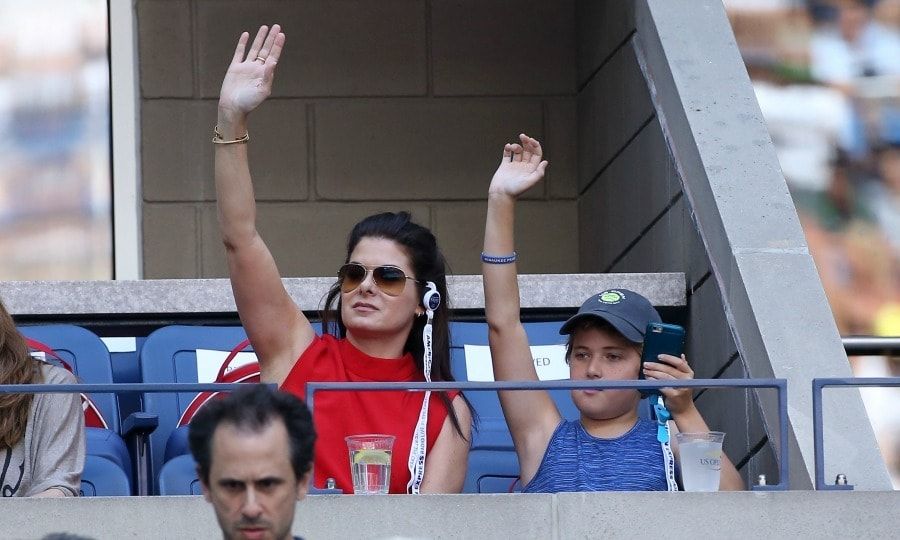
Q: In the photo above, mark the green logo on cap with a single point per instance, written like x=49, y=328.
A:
x=611, y=297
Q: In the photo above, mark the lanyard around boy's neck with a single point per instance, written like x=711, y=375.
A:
x=662, y=418
x=662, y=435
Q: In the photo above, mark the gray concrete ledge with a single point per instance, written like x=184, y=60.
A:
x=794, y=514
x=186, y=296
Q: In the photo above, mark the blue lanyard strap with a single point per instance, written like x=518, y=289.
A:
x=662, y=435
x=662, y=417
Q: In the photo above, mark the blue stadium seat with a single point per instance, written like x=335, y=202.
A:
x=169, y=355
x=126, y=369
x=179, y=477
x=103, y=478
x=493, y=465
x=176, y=444
x=109, y=445
x=88, y=357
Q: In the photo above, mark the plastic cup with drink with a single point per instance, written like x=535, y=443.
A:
x=370, y=463
x=700, y=455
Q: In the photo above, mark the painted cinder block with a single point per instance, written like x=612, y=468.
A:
x=279, y=151
x=625, y=199
x=710, y=339
x=658, y=249
x=503, y=47
x=612, y=108
x=561, y=147
x=602, y=26
x=170, y=241
x=334, y=48
x=177, y=152
x=411, y=149
x=544, y=238
x=166, y=60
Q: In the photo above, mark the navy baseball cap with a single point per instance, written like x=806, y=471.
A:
x=627, y=311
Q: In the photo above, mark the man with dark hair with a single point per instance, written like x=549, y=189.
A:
x=253, y=450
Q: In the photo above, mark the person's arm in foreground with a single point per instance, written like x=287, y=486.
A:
x=687, y=419
x=532, y=416
x=276, y=326
x=448, y=459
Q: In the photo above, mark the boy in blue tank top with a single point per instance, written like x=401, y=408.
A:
x=609, y=447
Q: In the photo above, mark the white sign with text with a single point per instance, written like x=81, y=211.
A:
x=209, y=362
x=549, y=361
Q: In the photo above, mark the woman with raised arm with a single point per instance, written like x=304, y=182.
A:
x=609, y=447
x=391, y=304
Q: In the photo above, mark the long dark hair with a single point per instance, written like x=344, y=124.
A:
x=429, y=264
x=16, y=367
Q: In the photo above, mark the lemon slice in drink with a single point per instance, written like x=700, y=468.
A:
x=372, y=457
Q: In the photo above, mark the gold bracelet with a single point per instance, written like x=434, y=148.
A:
x=217, y=139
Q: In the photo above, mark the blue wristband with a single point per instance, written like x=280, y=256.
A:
x=499, y=259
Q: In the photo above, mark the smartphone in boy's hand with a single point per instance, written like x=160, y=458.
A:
x=660, y=338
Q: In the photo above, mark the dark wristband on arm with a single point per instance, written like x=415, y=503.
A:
x=499, y=259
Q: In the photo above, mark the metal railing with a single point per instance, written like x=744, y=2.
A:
x=818, y=423
x=778, y=384
x=116, y=388
x=863, y=345
x=145, y=422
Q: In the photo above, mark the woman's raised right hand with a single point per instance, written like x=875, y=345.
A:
x=520, y=168
x=248, y=81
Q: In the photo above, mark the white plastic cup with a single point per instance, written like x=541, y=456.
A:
x=700, y=456
x=370, y=463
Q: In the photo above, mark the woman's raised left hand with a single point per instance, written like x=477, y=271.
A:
x=521, y=167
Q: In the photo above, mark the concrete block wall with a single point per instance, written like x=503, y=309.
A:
x=390, y=105
x=633, y=216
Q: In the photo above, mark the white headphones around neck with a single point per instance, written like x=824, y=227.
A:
x=432, y=298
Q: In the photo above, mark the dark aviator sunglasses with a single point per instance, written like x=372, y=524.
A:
x=390, y=279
